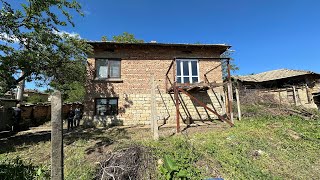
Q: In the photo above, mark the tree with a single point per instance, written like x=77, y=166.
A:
x=32, y=42
x=123, y=38
x=224, y=66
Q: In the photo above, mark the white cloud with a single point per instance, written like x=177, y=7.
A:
x=60, y=32
x=7, y=37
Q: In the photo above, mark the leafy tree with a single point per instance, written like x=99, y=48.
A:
x=124, y=38
x=30, y=40
x=73, y=92
x=36, y=99
x=233, y=66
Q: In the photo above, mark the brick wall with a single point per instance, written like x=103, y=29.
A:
x=137, y=66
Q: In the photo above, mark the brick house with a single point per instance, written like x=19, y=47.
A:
x=119, y=75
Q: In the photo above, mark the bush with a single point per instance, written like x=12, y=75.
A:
x=17, y=169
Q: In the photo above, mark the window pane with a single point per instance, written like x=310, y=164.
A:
x=194, y=67
x=186, y=80
x=106, y=106
x=185, y=68
x=101, y=101
x=194, y=79
x=102, y=68
x=114, y=69
x=178, y=67
x=178, y=79
x=113, y=101
x=101, y=110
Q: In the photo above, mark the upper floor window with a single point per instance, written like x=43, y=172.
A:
x=187, y=71
x=108, y=68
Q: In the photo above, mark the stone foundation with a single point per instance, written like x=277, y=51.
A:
x=136, y=109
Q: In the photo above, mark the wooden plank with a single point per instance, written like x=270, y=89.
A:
x=238, y=103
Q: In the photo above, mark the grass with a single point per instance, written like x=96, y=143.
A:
x=259, y=147
x=264, y=147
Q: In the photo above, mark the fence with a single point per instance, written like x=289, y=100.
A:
x=32, y=115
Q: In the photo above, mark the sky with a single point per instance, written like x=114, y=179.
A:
x=265, y=34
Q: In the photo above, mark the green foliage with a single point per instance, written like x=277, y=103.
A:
x=17, y=169
x=173, y=171
x=74, y=92
x=123, y=38
x=36, y=99
x=33, y=43
x=224, y=66
x=179, y=158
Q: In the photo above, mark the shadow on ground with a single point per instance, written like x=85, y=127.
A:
x=10, y=144
x=101, y=137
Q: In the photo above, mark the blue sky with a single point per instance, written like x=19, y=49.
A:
x=265, y=34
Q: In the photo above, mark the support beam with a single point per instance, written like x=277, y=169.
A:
x=230, y=97
x=294, y=95
x=206, y=107
x=176, y=96
x=238, y=103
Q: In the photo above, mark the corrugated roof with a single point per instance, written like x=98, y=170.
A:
x=272, y=75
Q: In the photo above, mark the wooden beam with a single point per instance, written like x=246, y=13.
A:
x=206, y=107
x=230, y=97
x=238, y=103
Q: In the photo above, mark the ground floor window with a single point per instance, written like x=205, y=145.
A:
x=106, y=106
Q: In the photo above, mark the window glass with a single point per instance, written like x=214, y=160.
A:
x=194, y=67
x=102, y=68
x=186, y=80
x=178, y=79
x=178, y=68
x=185, y=68
x=194, y=79
x=106, y=106
x=114, y=69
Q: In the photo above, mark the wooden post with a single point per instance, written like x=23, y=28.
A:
x=154, y=119
x=294, y=95
x=238, y=103
x=56, y=137
x=223, y=103
x=308, y=95
x=176, y=97
x=226, y=102
x=230, y=97
x=279, y=97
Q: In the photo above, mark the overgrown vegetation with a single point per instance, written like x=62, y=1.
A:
x=263, y=146
x=17, y=169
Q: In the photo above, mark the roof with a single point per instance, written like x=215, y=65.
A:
x=222, y=47
x=272, y=75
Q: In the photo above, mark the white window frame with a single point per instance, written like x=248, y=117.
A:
x=190, y=70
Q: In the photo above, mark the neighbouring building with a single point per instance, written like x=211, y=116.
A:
x=289, y=87
x=118, y=88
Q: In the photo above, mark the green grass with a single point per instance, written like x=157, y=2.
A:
x=232, y=154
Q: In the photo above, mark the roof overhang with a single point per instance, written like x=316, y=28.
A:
x=220, y=47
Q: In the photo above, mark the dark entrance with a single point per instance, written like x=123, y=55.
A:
x=316, y=99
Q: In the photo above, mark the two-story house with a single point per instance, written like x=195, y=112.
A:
x=118, y=82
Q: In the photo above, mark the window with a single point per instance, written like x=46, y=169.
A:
x=107, y=69
x=187, y=71
x=107, y=106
